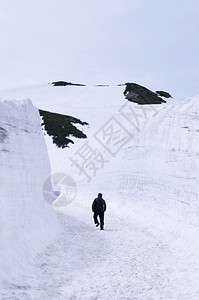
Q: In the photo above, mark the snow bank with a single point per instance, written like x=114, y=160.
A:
x=27, y=222
x=154, y=178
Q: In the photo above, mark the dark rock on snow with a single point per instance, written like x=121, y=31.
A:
x=141, y=95
x=64, y=83
x=163, y=94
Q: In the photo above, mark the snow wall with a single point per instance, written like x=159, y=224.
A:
x=27, y=221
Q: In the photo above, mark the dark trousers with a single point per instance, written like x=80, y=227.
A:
x=101, y=216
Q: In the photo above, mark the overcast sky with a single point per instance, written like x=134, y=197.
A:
x=154, y=43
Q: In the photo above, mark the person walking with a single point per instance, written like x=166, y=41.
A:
x=99, y=207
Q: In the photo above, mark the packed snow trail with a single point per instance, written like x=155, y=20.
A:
x=121, y=262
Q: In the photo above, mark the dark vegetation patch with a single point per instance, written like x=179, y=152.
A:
x=3, y=134
x=64, y=83
x=60, y=127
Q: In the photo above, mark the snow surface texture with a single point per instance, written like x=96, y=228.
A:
x=149, y=249
x=27, y=222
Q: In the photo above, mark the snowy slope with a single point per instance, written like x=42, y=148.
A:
x=155, y=170
x=94, y=105
x=27, y=222
x=150, y=246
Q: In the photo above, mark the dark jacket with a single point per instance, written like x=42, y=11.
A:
x=99, y=205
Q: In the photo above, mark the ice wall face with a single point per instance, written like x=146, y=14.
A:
x=27, y=221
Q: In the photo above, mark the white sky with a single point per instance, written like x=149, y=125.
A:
x=151, y=42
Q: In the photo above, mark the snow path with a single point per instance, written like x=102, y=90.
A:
x=121, y=262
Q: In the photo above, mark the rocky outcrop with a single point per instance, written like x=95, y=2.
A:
x=64, y=83
x=163, y=94
x=141, y=95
